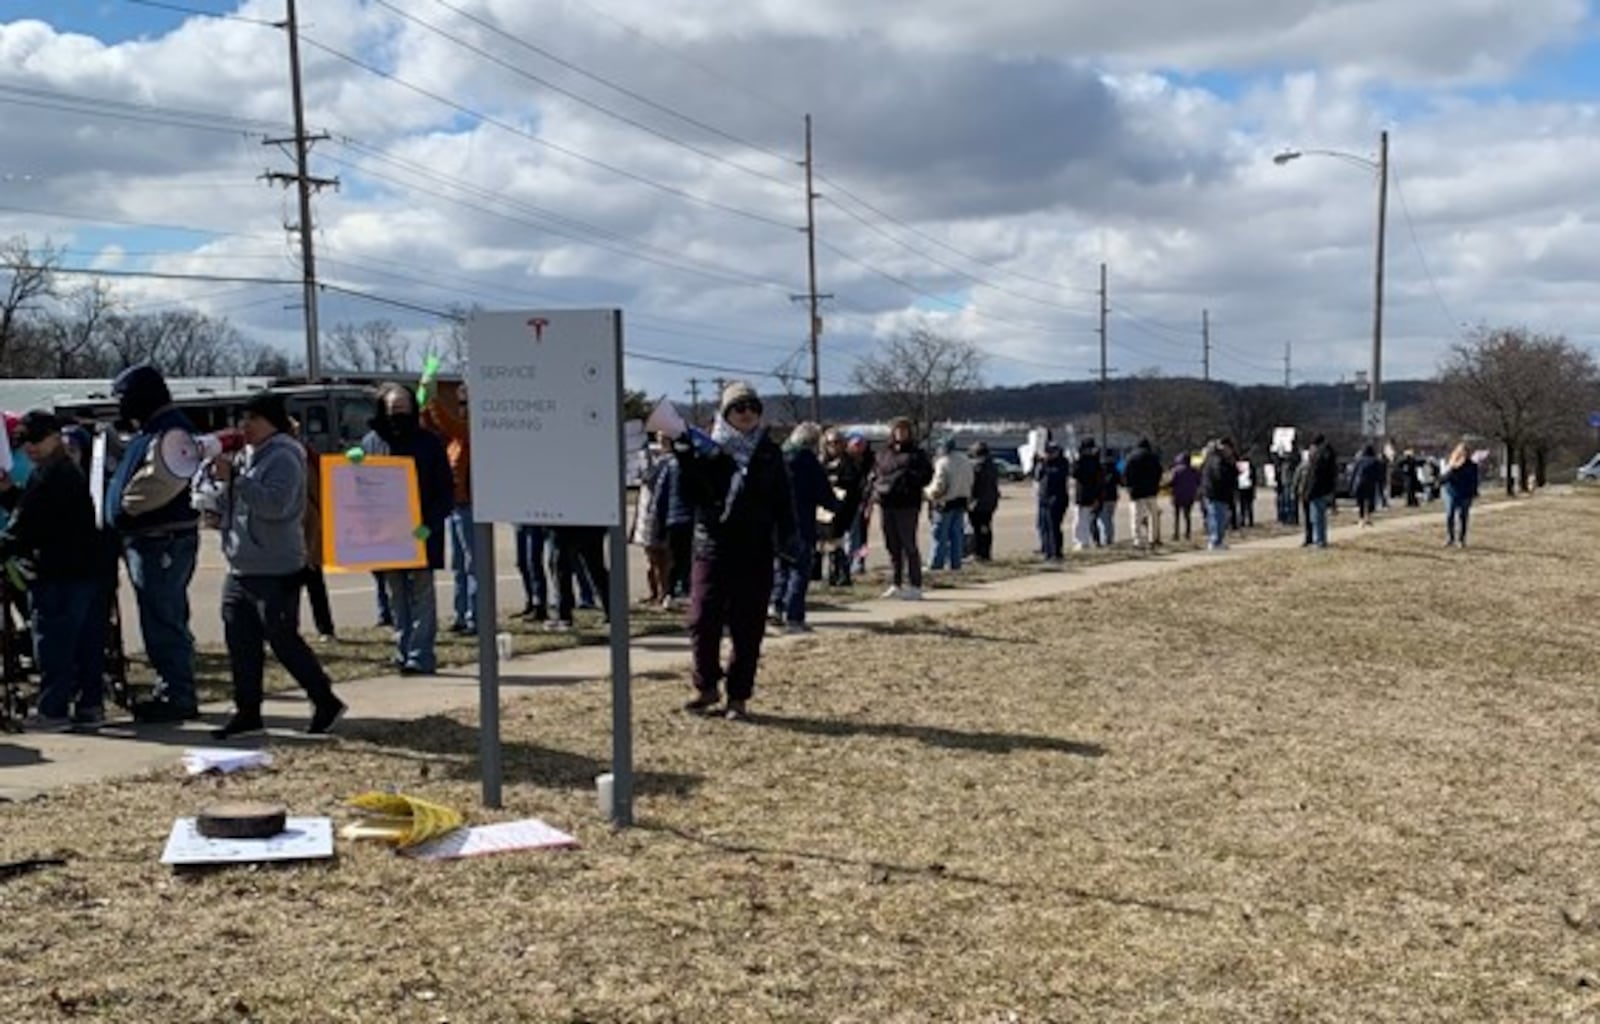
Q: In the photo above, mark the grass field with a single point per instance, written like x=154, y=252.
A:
x=1354, y=785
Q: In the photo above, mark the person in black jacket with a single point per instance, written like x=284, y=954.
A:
x=985, y=501
x=53, y=530
x=1366, y=479
x=1322, y=483
x=846, y=479
x=1143, y=475
x=808, y=486
x=1219, y=481
x=1050, y=474
x=1086, y=474
x=397, y=430
x=900, y=473
x=743, y=519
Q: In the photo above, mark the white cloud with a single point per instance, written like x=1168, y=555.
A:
x=1018, y=145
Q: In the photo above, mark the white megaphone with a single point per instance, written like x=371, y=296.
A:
x=665, y=419
x=184, y=453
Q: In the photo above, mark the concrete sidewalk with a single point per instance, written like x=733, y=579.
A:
x=35, y=763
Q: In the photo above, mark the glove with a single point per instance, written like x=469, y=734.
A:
x=422, y=532
x=356, y=455
x=20, y=572
x=430, y=371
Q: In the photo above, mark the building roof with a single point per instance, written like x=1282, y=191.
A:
x=20, y=394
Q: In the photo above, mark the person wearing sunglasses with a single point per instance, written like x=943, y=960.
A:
x=743, y=520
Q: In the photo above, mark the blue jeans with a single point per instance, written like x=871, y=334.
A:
x=416, y=616
x=160, y=569
x=460, y=528
x=69, y=637
x=385, y=613
x=791, y=582
x=949, y=536
x=1217, y=513
x=1456, y=511
x=1051, y=540
x=1319, y=522
x=530, y=563
x=1106, y=522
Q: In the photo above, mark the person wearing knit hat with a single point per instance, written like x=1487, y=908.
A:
x=147, y=502
x=743, y=519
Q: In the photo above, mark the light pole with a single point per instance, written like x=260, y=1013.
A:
x=1381, y=165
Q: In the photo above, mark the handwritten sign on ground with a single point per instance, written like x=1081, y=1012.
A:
x=370, y=513
x=301, y=839
x=481, y=840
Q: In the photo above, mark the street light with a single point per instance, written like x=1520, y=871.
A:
x=1381, y=165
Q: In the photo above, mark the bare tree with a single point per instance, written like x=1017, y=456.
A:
x=32, y=277
x=1177, y=414
x=374, y=346
x=1527, y=391
x=74, y=333
x=922, y=375
x=1252, y=412
x=450, y=338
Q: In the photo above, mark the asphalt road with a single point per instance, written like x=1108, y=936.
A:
x=352, y=596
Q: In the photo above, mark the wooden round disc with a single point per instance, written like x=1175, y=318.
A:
x=242, y=819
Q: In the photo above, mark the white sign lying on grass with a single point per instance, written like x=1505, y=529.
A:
x=301, y=839
x=480, y=840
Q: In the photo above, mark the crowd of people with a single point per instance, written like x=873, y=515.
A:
x=734, y=527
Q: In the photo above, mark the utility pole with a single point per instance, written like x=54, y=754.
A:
x=1205, y=345
x=1375, y=378
x=306, y=185
x=1104, y=309
x=694, y=400
x=812, y=297
x=1288, y=354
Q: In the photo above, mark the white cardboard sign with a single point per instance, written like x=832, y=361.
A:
x=301, y=839
x=546, y=428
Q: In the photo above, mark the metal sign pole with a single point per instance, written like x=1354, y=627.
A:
x=483, y=571
x=621, y=677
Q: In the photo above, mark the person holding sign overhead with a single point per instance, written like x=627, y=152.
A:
x=262, y=510
x=397, y=431
x=743, y=518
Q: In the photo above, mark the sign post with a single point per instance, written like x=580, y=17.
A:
x=545, y=393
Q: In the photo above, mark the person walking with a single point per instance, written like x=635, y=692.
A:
x=1461, y=480
x=743, y=519
x=899, y=474
x=51, y=530
x=1086, y=475
x=450, y=419
x=397, y=430
x=985, y=501
x=1185, y=489
x=262, y=509
x=1219, y=480
x=1366, y=479
x=846, y=481
x=808, y=488
x=1143, y=472
x=1321, y=487
x=949, y=494
x=147, y=503
x=1051, y=474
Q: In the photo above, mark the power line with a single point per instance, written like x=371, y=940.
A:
x=1411, y=227
x=181, y=9
x=567, y=151
x=497, y=30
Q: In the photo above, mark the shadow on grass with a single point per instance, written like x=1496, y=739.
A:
x=933, y=736
x=923, y=625
x=881, y=872
x=453, y=747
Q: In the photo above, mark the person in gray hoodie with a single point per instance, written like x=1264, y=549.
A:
x=260, y=512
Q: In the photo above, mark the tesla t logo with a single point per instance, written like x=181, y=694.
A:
x=537, y=326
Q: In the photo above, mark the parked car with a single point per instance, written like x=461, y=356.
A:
x=1009, y=470
x=1589, y=470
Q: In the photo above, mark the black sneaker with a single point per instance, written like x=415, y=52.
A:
x=705, y=703
x=163, y=712
x=240, y=724
x=322, y=722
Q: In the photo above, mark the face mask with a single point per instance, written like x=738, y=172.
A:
x=396, y=426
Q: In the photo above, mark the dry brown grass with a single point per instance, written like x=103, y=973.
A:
x=1343, y=786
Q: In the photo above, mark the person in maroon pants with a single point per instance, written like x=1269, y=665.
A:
x=743, y=520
